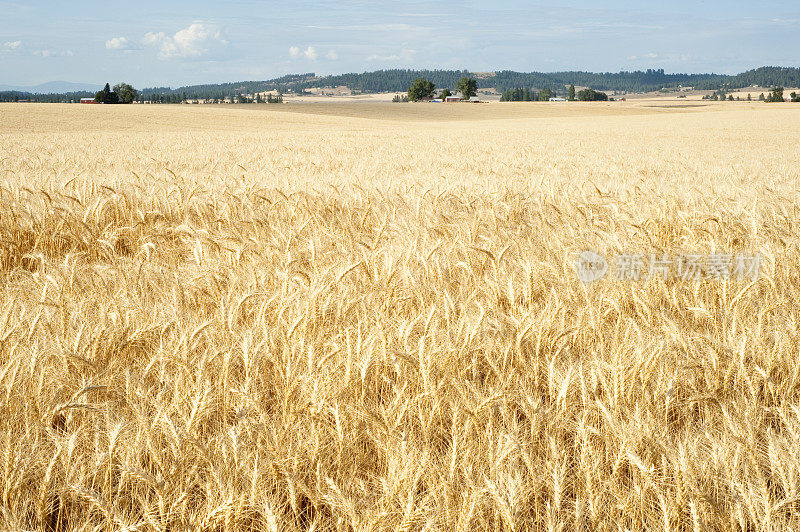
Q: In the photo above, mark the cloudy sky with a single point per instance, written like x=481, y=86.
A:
x=172, y=43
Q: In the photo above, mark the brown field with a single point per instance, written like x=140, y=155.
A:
x=366, y=317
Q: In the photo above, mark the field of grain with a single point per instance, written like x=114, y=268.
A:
x=366, y=317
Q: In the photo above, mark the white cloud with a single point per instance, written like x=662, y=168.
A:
x=404, y=55
x=197, y=40
x=667, y=59
x=332, y=55
x=785, y=21
x=11, y=45
x=54, y=53
x=308, y=53
x=649, y=55
x=118, y=43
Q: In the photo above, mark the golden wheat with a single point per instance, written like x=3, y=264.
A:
x=362, y=318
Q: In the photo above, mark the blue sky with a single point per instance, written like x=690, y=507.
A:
x=172, y=43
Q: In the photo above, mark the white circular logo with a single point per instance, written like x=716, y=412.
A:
x=590, y=266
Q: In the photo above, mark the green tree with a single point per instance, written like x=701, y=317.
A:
x=776, y=95
x=519, y=95
x=749, y=98
x=761, y=97
x=445, y=93
x=420, y=88
x=125, y=92
x=795, y=97
x=106, y=95
x=571, y=96
x=730, y=97
x=589, y=95
x=545, y=94
x=468, y=87
x=100, y=96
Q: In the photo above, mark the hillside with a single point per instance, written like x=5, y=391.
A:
x=398, y=80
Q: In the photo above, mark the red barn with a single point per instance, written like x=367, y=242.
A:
x=88, y=100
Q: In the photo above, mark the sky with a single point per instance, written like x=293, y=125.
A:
x=173, y=43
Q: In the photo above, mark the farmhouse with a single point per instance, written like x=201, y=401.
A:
x=88, y=100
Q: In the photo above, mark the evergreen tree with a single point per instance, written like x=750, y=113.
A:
x=519, y=95
x=545, y=94
x=101, y=95
x=571, y=93
x=776, y=95
x=106, y=95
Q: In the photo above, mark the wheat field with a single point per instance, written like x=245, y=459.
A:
x=366, y=317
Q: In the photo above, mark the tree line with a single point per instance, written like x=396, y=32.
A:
x=777, y=96
x=67, y=97
x=398, y=80
x=526, y=95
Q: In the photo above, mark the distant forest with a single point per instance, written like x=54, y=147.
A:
x=398, y=80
